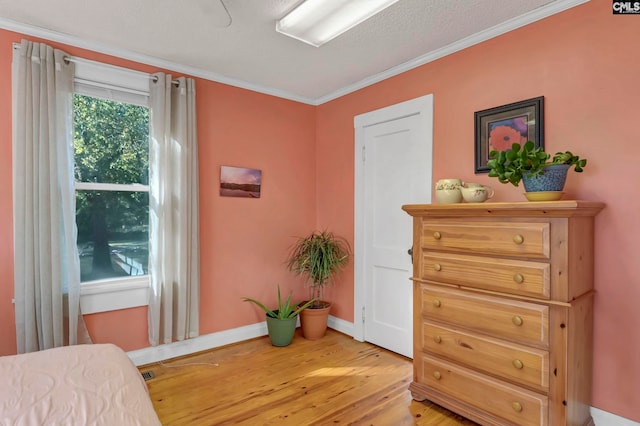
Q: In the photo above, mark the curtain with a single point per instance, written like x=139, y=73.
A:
x=46, y=265
x=173, y=215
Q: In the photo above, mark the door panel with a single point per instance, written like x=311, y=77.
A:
x=393, y=166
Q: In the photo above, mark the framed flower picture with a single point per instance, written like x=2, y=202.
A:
x=500, y=127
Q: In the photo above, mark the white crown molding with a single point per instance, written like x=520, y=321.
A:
x=510, y=25
x=505, y=27
x=34, y=31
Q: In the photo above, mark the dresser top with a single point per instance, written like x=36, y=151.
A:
x=564, y=208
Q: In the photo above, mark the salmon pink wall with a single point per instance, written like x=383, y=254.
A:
x=7, y=312
x=126, y=328
x=243, y=241
x=586, y=63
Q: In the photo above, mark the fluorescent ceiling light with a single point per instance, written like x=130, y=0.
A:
x=317, y=21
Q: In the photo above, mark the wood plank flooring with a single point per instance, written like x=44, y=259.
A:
x=332, y=381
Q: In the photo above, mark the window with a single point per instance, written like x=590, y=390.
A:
x=111, y=141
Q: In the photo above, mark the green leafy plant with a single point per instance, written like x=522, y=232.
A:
x=509, y=166
x=318, y=257
x=285, y=309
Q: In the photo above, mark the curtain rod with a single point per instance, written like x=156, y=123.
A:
x=76, y=60
x=154, y=78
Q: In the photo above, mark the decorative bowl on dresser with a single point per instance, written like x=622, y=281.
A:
x=502, y=308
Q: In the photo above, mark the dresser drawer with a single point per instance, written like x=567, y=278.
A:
x=511, y=361
x=516, y=405
x=503, y=275
x=523, y=322
x=530, y=240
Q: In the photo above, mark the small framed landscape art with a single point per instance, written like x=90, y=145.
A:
x=240, y=182
x=500, y=127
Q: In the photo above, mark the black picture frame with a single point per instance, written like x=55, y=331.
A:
x=516, y=122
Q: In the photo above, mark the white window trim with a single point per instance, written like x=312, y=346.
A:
x=111, y=82
x=94, y=186
x=114, y=294
x=125, y=85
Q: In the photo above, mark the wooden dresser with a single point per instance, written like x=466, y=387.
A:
x=502, y=303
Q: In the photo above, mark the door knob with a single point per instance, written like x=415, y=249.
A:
x=410, y=252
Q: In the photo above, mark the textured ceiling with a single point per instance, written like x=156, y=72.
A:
x=191, y=36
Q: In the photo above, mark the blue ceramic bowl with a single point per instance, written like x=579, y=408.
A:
x=552, y=179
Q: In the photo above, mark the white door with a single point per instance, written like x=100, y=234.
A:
x=393, y=167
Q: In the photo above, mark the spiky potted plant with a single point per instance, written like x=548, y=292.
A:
x=281, y=322
x=317, y=258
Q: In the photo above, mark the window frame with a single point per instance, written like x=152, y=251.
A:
x=110, y=82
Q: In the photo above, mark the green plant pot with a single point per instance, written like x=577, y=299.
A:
x=281, y=331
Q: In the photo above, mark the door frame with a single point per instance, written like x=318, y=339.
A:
x=422, y=107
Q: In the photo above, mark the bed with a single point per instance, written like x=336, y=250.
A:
x=75, y=385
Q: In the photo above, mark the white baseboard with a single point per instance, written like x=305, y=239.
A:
x=209, y=341
x=603, y=418
x=340, y=325
x=197, y=344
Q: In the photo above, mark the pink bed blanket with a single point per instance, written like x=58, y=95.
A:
x=75, y=385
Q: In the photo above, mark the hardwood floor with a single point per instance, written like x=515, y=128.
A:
x=334, y=380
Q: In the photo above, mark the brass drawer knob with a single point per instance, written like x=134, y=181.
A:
x=517, y=407
x=518, y=239
x=518, y=364
x=519, y=278
x=437, y=267
x=436, y=303
x=437, y=375
x=517, y=320
x=437, y=339
x=437, y=235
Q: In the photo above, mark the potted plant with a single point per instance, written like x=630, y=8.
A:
x=281, y=322
x=536, y=168
x=318, y=257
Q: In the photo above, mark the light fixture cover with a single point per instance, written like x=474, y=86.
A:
x=317, y=21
